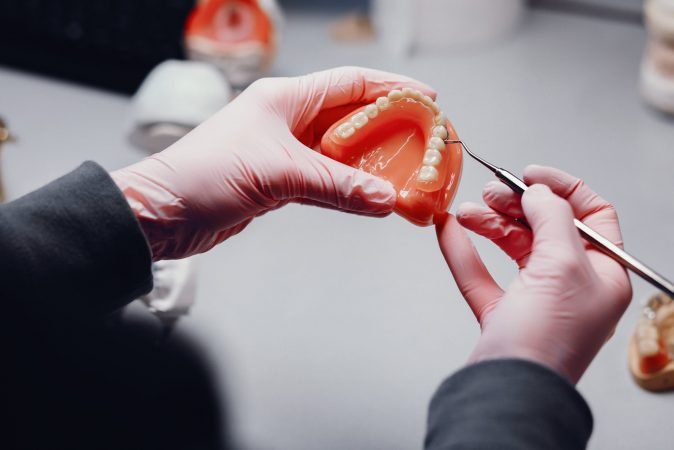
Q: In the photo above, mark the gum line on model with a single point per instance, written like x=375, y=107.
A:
x=402, y=137
x=652, y=345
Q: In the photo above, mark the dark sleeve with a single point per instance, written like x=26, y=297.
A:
x=72, y=247
x=507, y=404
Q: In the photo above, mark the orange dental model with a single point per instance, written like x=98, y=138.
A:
x=238, y=36
x=402, y=137
x=652, y=346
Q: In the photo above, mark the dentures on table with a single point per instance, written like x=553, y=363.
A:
x=657, y=67
x=652, y=346
x=237, y=36
x=436, y=143
x=405, y=138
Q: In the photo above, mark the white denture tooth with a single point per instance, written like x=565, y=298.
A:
x=436, y=143
x=648, y=347
x=395, y=94
x=417, y=95
x=371, y=111
x=426, y=100
x=407, y=92
x=432, y=157
x=345, y=130
x=434, y=107
x=383, y=102
x=440, y=131
x=359, y=120
x=428, y=174
x=440, y=118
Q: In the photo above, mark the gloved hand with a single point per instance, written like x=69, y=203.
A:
x=255, y=155
x=567, y=297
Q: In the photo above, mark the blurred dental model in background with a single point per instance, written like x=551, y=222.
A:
x=174, y=291
x=657, y=68
x=174, y=98
x=5, y=136
x=239, y=37
x=651, y=348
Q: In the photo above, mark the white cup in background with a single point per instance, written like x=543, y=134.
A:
x=431, y=25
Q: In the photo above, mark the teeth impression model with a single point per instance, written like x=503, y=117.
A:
x=657, y=67
x=237, y=36
x=402, y=137
x=652, y=354
x=652, y=345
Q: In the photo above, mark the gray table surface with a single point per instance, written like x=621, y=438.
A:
x=332, y=331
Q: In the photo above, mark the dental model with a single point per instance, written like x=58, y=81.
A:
x=652, y=354
x=174, y=291
x=657, y=67
x=402, y=137
x=237, y=36
x=174, y=98
x=5, y=136
x=652, y=346
x=664, y=320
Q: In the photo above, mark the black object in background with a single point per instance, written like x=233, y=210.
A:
x=111, y=44
x=628, y=11
x=101, y=385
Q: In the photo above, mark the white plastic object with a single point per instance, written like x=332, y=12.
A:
x=174, y=289
x=656, y=88
x=174, y=98
x=180, y=92
x=434, y=25
x=394, y=25
x=446, y=23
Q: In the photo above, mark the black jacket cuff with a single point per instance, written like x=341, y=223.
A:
x=73, y=247
x=507, y=404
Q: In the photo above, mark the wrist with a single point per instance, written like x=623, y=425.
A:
x=151, y=205
x=551, y=358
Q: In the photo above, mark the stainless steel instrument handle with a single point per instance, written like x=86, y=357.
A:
x=621, y=256
x=601, y=243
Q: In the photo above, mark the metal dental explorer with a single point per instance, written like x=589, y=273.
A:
x=600, y=242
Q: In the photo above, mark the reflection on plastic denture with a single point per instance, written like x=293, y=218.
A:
x=652, y=345
x=238, y=36
x=401, y=137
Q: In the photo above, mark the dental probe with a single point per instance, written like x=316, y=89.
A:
x=600, y=242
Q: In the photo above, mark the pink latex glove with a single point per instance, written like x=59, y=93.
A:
x=567, y=297
x=255, y=155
